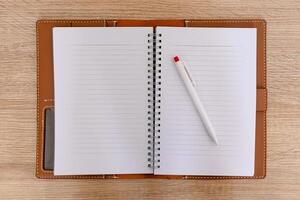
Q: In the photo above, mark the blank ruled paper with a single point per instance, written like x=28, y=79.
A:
x=100, y=100
x=223, y=63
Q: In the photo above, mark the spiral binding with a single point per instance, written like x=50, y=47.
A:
x=151, y=100
x=154, y=94
x=157, y=94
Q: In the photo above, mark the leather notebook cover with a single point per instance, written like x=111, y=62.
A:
x=45, y=91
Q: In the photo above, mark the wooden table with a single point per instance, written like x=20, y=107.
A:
x=18, y=100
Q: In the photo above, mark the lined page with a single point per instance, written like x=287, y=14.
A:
x=100, y=100
x=223, y=63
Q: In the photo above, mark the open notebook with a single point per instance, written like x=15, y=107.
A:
x=122, y=108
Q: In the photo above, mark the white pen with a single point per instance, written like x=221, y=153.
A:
x=190, y=86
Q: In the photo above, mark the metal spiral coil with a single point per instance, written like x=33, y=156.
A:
x=154, y=99
x=157, y=89
x=151, y=101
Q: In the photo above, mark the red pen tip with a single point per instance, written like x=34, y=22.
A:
x=176, y=58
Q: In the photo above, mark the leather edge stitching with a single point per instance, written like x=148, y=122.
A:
x=265, y=115
x=38, y=101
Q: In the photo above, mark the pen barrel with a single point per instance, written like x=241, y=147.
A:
x=196, y=100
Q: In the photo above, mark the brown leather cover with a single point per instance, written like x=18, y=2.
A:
x=45, y=95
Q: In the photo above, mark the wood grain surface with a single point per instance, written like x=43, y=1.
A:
x=18, y=100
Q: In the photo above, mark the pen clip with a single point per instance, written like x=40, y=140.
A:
x=194, y=83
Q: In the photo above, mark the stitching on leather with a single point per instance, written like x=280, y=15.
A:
x=219, y=178
x=265, y=65
x=226, y=21
x=265, y=99
x=263, y=96
x=48, y=174
x=38, y=102
x=72, y=21
x=265, y=146
x=265, y=115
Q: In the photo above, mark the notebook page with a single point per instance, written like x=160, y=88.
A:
x=100, y=100
x=223, y=63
